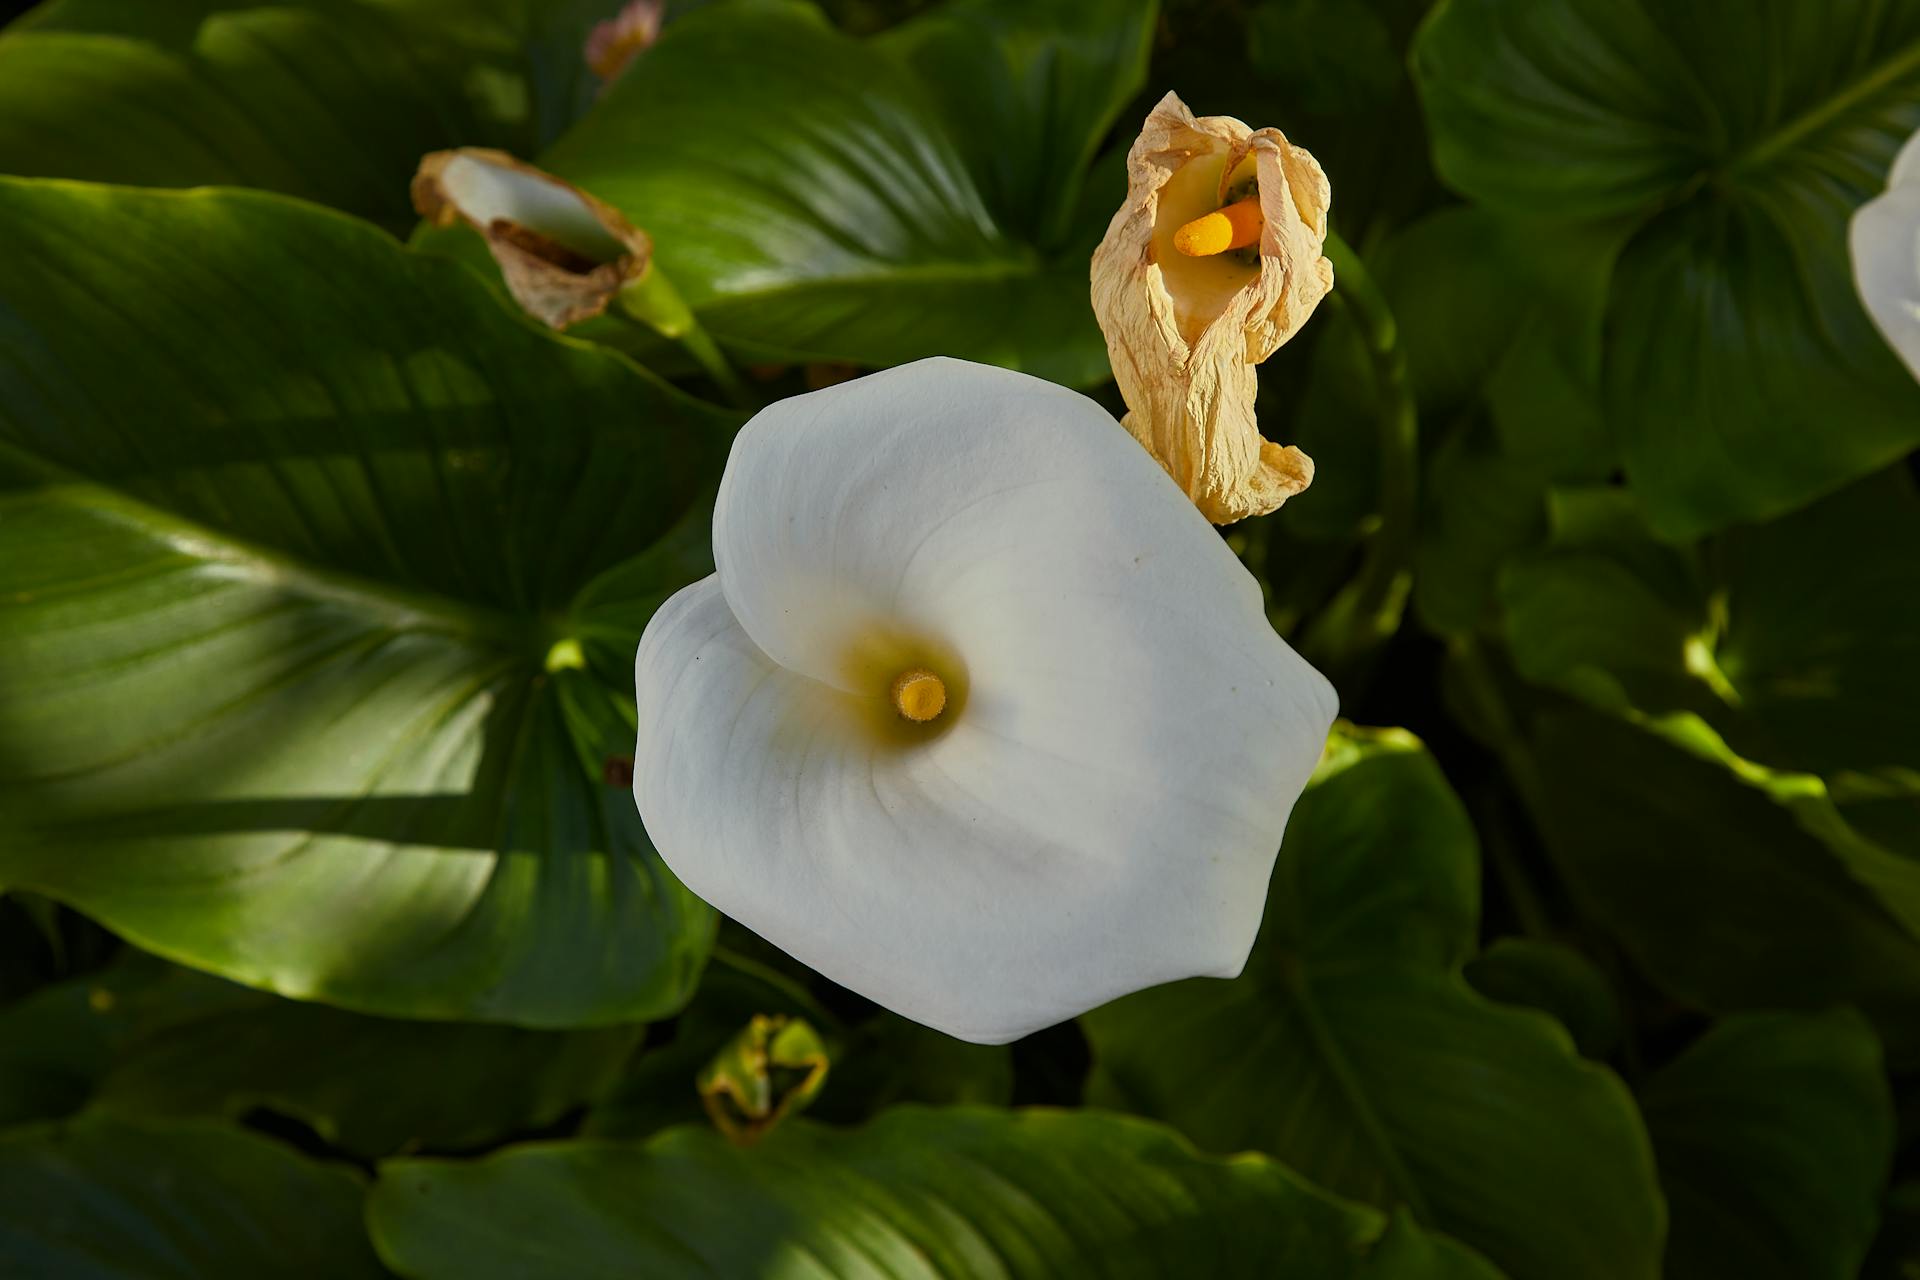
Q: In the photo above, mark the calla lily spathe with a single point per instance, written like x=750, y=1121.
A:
x=1092, y=802
x=1885, y=239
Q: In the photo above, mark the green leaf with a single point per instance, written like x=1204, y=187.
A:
x=1499, y=324
x=1794, y=641
x=1334, y=57
x=1482, y=508
x=331, y=100
x=99, y=1199
x=1799, y=640
x=1027, y=93
x=820, y=197
x=918, y=1193
x=1743, y=378
x=1896, y=1253
x=1774, y=1134
x=55, y=1044
x=1711, y=884
x=200, y=1046
x=1384, y=1076
x=149, y=1039
x=1556, y=980
x=289, y=536
x=888, y=1060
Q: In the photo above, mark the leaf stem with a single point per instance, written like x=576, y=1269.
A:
x=654, y=302
x=1366, y=613
x=1482, y=690
x=780, y=982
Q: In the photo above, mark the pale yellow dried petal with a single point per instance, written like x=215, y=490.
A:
x=1185, y=334
x=563, y=253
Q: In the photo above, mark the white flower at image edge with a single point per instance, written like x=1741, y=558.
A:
x=1885, y=239
x=979, y=716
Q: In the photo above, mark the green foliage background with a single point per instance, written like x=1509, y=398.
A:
x=327, y=946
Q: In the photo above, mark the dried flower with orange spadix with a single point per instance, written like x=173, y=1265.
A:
x=1212, y=263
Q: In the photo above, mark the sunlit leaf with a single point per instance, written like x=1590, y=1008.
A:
x=820, y=197
x=290, y=531
x=332, y=100
x=919, y=1193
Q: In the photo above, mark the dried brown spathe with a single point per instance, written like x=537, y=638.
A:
x=1185, y=333
x=563, y=254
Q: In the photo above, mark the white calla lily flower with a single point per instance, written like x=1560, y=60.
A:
x=1885, y=239
x=979, y=717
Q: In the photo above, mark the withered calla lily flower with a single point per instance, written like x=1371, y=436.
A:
x=1212, y=263
x=613, y=45
x=563, y=254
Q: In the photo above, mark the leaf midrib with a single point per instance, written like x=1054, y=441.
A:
x=1333, y=1058
x=1298, y=987
x=1879, y=77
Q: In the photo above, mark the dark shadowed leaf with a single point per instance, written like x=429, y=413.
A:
x=1710, y=879
x=1798, y=641
x=100, y=1199
x=369, y=1085
x=1353, y=1050
x=1556, y=980
x=1774, y=1134
x=1743, y=377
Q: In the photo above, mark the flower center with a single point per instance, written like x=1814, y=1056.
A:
x=1234, y=227
x=918, y=694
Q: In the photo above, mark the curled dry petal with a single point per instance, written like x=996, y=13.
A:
x=978, y=716
x=563, y=254
x=1185, y=333
x=1885, y=239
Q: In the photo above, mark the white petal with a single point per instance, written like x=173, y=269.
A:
x=1885, y=238
x=1103, y=811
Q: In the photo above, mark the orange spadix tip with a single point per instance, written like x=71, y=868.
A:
x=1234, y=227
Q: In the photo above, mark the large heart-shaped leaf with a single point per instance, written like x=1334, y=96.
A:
x=1774, y=1133
x=291, y=525
x=332, y=100
x=816, y=197
x=98, y=1198
x=1386, y=1077
x=917, y=1194
x=147, y=1038
x=1743, y=376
